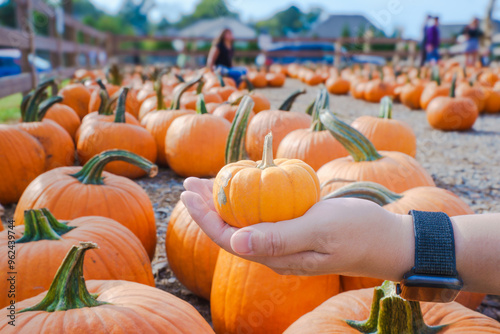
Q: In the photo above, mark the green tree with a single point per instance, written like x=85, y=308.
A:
x=346, y=31
x=136, y=14
x=290, y=20
x=8, y=14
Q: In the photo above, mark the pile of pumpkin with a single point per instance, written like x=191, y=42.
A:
x=121, y=131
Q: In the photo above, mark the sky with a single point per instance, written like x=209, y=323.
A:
x=386, y=14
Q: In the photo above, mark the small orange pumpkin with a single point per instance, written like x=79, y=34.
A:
x=77, y=97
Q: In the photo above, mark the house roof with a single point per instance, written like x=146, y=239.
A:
x=210, y=28
x=333, y=26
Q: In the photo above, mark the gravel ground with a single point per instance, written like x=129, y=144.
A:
x=463, y=163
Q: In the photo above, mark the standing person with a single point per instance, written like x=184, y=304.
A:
x=472, y=33
x=423, y=50
x=432, y=41
x=221, y=55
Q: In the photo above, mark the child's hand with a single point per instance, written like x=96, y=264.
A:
x=338, y=236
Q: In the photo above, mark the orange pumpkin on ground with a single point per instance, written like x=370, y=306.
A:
x=223, y=90
x=492, y=104
x=189, y=99
x=385, y=133
x=22, y=159
x=315, y=146
x=258, y=79
x=151, y=103
x=381, y=310
x=98, y=137
x=261, y=102
x=249, y=297
x=194, y=144
x=376, y=89
x=431, y=91
x=280, y=122
x=395, y=170
x=476, y=93
x=42, y=242
x=65, y=117
x=275, y=79
x=77, y=97
x=71, y=192
x=72, y=305
x=410, y=95
x=337, y=85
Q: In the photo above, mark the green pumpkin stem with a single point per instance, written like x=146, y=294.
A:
x=358, y=146
x=235, y=145
x=46, y=105
x=390, y=313
x=179, y=78
x=160, y=102
x=120, y=108
x=321, y=102
x=91, y=172
x=221, y=79
x=386, y=108
x=267, y=155
x=366, y=190
x=453, y=85
x=310, y=108
x=30, y=106
x=176, y=101
x=435, y=75
x=68, y=290
x=199, y=88
x=201, y=107
x=287, y=104
x=42, y=225
x=249, y=84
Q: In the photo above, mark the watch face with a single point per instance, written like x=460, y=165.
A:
x=430, y=288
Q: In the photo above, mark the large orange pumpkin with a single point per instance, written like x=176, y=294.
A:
x=315, y=146
x=280, y=122
x=72, y=305
x=432, y=199
x=385, y=133
x=248, y=192
x=476, y=93
x=381, y=310
x=56, y=141
x=410, y=95
x=98, y=137
x=42, y=242
x=395, y=170
x=22, y=159
x=71, y=192
x=194, y=144
x=65, y=117
x=248, y=297
x=77, y=97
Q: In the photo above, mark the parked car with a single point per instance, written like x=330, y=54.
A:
x=10, y=62
x=325, y=51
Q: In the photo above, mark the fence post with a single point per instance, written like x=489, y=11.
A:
x=412, y=50
x=367, y=45
x=338, y=53
x=55, y=56
x=24, y=13
x=400, y=46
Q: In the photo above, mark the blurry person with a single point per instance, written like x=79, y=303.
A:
x=221, y=55
x=423, y=50
x=432, y=41
x=473, y=34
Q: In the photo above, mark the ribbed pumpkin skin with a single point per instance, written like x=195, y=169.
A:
x=355, y=305
x=57, y=143
x=410, y=95
x=132, y=105
x=195, y=144
x=431, y=91
x=246, y=195
x=120, y=256
x=22, y=159
x=157, y=124
x=191, y=254
x=475, y=93
x=94, y=117
x=396, y=171
x=338, y=86
x=447, y=113
x=315, y=148
x=279, y=122
x=67, y=198
x=387, y=134
x=492, y=104
x=77, y=97
x=65, y=117
x=432, y=199
x=228, y=112
x=248, y=297
x=102, y=136
x=132, y=308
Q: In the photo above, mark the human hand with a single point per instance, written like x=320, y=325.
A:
x=337, y=236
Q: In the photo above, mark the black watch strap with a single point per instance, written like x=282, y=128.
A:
x=434, y=244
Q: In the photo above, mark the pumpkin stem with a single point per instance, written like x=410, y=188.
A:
x=120, y=108
x=310, y=108
x=453, y=85
x=91, y=172
x=46, y=105
x=322, y=101
x=385, y=108
x=42, y=225
x=201, y=107
x=179, y=78
x=392, y=314
x=68, y=290
x=249, y=84
x=267, y=155
x=435, y=75
x=366, y=190
x=358, y=146
x=235, y=145
x=221, y=79
x=114, y=75
x=160, y=102
x=30, y=107
x=176, y=101
x=199, y=88
x=287, y=104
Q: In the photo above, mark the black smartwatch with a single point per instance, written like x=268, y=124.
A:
x=434, y=278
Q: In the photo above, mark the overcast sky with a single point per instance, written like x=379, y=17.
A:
x=386, y=14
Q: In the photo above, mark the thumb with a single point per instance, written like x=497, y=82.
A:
x=274, y=239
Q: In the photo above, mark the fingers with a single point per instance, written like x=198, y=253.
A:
x=203, y=187
x=275, y=239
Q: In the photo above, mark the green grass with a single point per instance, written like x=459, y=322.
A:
x=9, y=108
